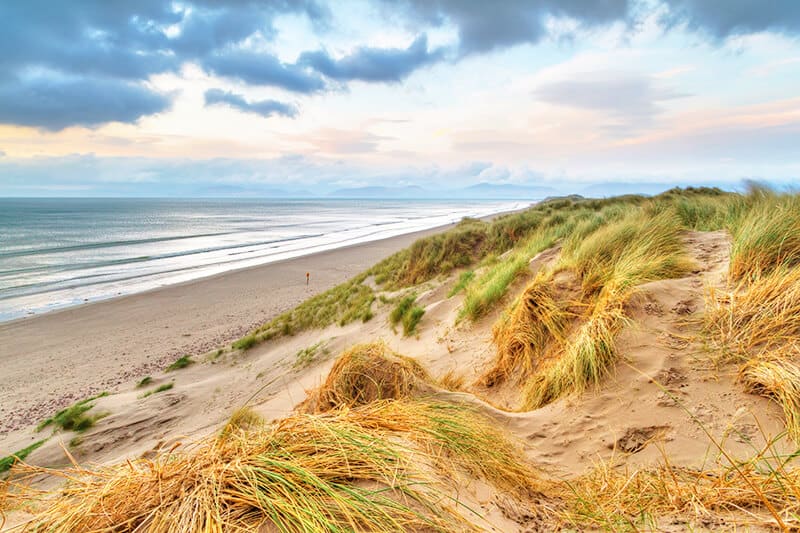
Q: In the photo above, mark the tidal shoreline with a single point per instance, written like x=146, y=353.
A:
x=51, y=360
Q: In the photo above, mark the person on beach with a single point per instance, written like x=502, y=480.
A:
x=308, y=275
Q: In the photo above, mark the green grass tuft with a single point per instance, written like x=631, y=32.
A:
x=74, y=417
x=144, y=382
x=245, y=343
x=180, y=363
x=7, y=462
x=160, y=388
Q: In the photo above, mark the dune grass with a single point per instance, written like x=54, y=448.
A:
x=463, y=280
x=407, y=313
x=7, y=462
x=615, y=499
x=160, y=388
x=766, y=233
x=757, y=326
x=181, y=362
x=381, y=467
x=74, y=417
x=366, y=373
x=145, y=381
x=755, y=322
x=559, y=344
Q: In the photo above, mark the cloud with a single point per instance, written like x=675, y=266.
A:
x=630, y=99
x=722, y=18
x=102, y=48
x=55, y=103
x=374, y=64
x=265, y=108
x=486, y=26
x=263, y=69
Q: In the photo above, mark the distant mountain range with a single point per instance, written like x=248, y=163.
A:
x=480, y=191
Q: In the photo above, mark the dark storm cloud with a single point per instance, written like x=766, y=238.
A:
x=54, y=104
x=721, y=18
x=265, y=108
x=374, y=64
x=484, y=26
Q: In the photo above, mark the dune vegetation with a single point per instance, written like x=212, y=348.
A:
x=380, y=445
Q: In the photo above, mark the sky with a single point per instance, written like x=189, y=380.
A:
x=241, y=97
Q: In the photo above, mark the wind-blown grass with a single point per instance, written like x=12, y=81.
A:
x=381, y=467
x=757, y=326
x=560, y=346
x=74, y=417
x=766, y=234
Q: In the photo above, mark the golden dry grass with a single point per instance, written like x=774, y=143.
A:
x=757, y=325
x=585, y=357
x=618, y=499
x=536, y=323
x=386, y=466
x=556, y=350
x=366, y=373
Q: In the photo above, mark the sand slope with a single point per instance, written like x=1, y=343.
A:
x=661, y=400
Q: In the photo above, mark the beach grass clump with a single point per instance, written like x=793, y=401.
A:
x=145, y=381
x=536, y=322
x=766, y=233
x=366, y=373
x=492, y=285
x=181, y=362
x=7, y=462
x=757, y=326
x=777, y=378
x=406, y=313
x=463, y=280
x=245, y=343
x=74, y=417
x=560, y=342
x=381, y=467
x=585, y=358
x=160, y=388
x=244, y=419
x=401, y=309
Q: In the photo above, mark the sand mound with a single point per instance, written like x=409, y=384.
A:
x=366, y=373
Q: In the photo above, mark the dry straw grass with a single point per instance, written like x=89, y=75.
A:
x=643, y=500
x=757, y=325
x=558, y=351
x=535, y=325
x=366, y=373
x=382, y=467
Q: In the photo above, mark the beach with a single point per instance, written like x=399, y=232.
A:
x=50, y=361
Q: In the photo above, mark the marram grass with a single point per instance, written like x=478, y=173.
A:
x=382, y=467
x=366, y=373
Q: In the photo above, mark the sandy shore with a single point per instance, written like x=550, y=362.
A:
x=52, y=360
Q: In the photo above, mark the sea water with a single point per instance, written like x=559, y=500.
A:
x=57, y=252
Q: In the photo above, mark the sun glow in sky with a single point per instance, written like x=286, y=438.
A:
x=202, y=97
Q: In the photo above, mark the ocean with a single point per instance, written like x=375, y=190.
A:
x=57, y=252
